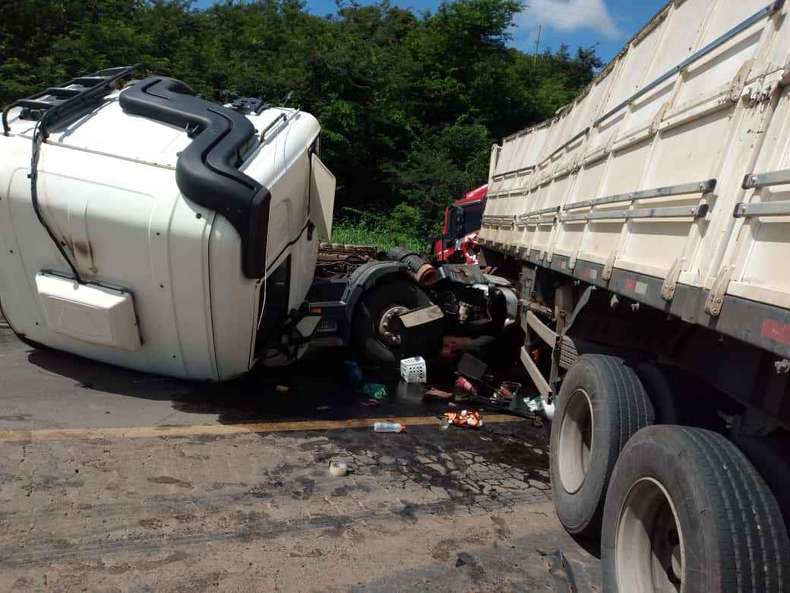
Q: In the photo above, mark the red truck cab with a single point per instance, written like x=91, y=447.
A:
x=462, y=222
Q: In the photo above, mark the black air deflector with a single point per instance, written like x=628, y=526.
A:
x=207, y=171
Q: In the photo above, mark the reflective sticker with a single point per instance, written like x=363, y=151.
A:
x=635, y=286
x=776, y=330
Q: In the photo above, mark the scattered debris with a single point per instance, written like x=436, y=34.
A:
x=388, y=427
x=471, y=366
x=323, y=408
x=452, y=346
x=282, y=388
x=464, y=389
x=375, y=391
x=537, y=405
x=560, y=571
x=464, y=418
x=338, y=468
x=354, y=376
x=414, y=370
x=508, y=390
x=434, y=393
x=534, y=404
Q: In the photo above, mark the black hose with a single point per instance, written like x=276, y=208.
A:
x=414, y=261
x=38, y=139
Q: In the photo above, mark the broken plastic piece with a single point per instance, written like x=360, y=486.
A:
x=508, y=390
x=282, y=389
x=462, y=384
x=375, y=391
x=472, y=367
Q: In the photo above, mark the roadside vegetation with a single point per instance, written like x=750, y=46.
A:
x=400, y=227
x=410, y=103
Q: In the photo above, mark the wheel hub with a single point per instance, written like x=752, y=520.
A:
x=387, y=329
x=649, y=549
x=576, y=441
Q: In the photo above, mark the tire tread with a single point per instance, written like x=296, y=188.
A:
x=629, y=406
x=752, y=545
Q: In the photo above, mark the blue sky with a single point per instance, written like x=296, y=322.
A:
x=606, y=24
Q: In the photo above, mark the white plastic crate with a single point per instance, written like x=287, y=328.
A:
x=413, y=370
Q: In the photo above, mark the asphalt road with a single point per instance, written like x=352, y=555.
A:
x=117, y=481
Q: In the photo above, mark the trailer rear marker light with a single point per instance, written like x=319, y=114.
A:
x=147, y=432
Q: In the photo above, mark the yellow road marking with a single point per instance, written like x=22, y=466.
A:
x=145, y=432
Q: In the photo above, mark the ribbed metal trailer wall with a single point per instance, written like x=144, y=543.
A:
x=668, y=180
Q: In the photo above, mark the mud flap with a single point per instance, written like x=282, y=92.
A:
x=419, y=327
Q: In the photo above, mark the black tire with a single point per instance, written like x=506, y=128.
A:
x=601, y=404
x=372, y=305
x=659, y=389
x=685, y=508
x=770, y=455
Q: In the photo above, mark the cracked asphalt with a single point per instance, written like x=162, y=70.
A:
x=226, y=501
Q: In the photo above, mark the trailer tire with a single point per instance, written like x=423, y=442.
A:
x=388, y=296
x=686, y=511
x=660, y=391
x=601, y=404
x=769, y=456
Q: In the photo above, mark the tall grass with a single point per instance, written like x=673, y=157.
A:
x=402, y=227
x=350, y=233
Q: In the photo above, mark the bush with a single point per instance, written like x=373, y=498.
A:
x=403, y=227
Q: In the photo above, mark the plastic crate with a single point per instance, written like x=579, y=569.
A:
x=413, y=370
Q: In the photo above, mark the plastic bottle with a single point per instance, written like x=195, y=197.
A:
x=388, y=427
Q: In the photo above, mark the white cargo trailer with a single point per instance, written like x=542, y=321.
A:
x=649, y=222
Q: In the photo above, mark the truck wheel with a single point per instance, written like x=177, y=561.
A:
x=601, y=404
x=376, y=334
x=769, y=456
x=659, y=390
x=686, y=511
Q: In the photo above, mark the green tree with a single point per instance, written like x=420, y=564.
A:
x=409, y=103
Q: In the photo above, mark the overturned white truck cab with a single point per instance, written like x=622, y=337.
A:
x=137, y=226
x=144, y=226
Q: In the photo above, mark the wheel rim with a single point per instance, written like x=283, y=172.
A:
x=386, y=329
x=576, y=441
x=649, y=551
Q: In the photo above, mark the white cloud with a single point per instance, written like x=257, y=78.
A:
x=571, y=15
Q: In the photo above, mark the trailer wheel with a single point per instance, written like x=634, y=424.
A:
x=601, y=404
x=686, y=511
x=375, y=334
x=659, y=389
